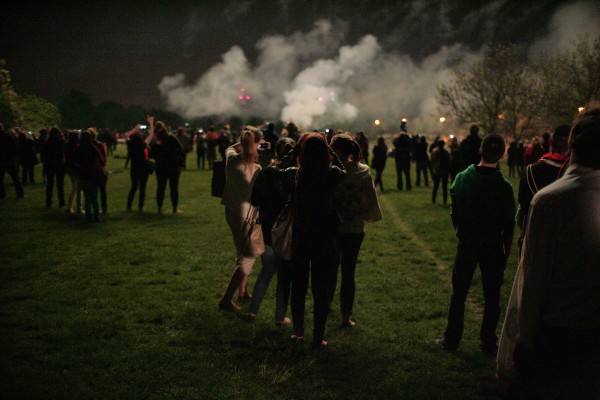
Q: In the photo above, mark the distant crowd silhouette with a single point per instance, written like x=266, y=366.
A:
x=548, y=346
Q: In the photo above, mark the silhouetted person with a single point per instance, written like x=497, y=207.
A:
x=534, y=151
x=380, y=154
x=402, y=152
x=483, y=215
x=54, y=165
x=512, y=159
x=421, y=160
x=469, y=147
x=27, y=156
x=440, y=167
x=8, y=162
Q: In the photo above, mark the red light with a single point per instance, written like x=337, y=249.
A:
x=242, y=90
x=241, y=97
x=247, y=97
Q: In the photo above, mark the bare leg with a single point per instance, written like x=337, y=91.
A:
x=236, y=279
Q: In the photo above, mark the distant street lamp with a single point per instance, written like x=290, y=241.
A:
x=377, y=122
x=442, y=119
x=581, y=109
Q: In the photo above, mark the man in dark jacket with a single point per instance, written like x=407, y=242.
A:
x=402, y=152
x=469, y=147
x=483, y=212
x=8, y=162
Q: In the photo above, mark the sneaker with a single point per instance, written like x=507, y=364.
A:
x=446, y=346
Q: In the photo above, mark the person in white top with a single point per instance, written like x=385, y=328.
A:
x=241, y=171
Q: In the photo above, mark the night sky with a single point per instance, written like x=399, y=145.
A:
x=121, y=51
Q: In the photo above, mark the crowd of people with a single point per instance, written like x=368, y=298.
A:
x=549, y=337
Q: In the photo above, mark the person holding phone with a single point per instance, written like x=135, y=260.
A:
x=137, y=150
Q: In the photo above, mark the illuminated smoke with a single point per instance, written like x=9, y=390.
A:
x=317, y=79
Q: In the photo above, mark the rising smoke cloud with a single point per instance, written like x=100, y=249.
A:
x=316, y=80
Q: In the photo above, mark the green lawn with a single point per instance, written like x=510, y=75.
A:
x=127, y=309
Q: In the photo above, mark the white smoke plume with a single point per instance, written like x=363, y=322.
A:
x=317, y=81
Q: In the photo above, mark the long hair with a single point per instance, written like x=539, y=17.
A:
x=161, y=131
x=55, y=135
x=314, y=156
x=250, y=136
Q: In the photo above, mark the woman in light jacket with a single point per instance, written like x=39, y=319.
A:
x=356, y=202
x=241, y=171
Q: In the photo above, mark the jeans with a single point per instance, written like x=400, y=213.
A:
x=59, y=173
x=272, y=264
x=27, y=173
x=161, y=180
x=436, y=185
x=13, y=172
x=138, y=179
x=347, y=249
x=90, y=191
x=490, y=258
x=318, y=262
x=378, y=178
x=422, y=168
x=75, y=194
x=403, y=167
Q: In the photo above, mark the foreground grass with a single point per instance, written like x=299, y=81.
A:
x=127, y=308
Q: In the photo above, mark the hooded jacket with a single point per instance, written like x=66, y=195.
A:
x=483, y=206
x=356, y=200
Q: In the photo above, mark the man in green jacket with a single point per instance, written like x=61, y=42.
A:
x=483, y=214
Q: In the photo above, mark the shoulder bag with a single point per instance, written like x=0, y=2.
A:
x=254, y=244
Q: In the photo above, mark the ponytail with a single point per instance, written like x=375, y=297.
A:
x=250, y=136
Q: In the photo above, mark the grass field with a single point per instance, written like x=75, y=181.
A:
x=127, y=308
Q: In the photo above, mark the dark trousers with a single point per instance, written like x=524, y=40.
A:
x=161, y=180
x=403, y=167
x=490, y=258
x=27, y=173
x=200, y=159
x=57, y=174
x=436, y=184
x=102, y=190
x=563, y=364
x=378, y=178
x=90, y=192
x=422, y=168
x=138, y=179
x=347, y=249
x=319, y=264
x=13, y=172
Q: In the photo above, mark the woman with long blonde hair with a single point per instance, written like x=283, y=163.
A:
x=241, y=171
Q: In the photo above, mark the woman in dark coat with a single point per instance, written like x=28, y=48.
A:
x=27, y=156
x=54, y=165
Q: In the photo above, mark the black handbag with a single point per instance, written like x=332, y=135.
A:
x=149, y=167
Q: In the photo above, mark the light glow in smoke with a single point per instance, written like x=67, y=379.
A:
x=317, y=79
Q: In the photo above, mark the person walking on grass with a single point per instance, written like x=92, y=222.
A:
x=268, y=195
x=313, y=184
x=241, y=171
x=483, y=215
x=356, y=202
